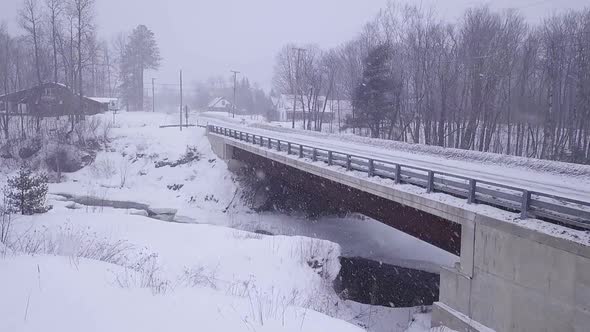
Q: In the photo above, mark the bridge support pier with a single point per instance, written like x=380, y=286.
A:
x=513, y=278
x=220, y=148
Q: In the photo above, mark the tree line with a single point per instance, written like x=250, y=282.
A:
x=489, y=82
x=58, y=43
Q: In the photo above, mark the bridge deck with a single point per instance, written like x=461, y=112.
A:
x=564, y=185
x=546, y=205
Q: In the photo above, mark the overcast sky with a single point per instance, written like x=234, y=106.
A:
x=211, y=37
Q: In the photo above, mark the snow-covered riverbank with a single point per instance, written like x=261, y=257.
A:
x=100, y=268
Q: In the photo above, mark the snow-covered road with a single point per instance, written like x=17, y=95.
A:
x=569, y=186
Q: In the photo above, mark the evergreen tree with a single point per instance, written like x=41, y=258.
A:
x=262, y=102
x=141, y=53
x=26, y=193
x=245, y=100
x=373, y=98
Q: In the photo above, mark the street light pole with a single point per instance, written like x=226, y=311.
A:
x=234, y=104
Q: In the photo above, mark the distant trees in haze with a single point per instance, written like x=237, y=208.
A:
x=488, y=82
x=250, y=98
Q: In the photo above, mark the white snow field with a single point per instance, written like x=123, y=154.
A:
x=148, y=275
x=95, y=268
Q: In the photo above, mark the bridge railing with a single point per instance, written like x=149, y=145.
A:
x=528, y=203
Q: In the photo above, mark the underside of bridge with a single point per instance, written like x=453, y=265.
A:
x=336, y=196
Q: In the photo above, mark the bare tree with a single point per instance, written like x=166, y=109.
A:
x=5, y=53
x=82, y=13
x=488, y=82
x=30, y=21
x=54, y=13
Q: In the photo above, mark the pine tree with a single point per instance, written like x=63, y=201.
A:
x=141, y=53
x=373, y=97
x=26, y=193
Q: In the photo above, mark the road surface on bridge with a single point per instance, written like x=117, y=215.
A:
x=573, y=187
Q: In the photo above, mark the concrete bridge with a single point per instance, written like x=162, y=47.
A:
x=524, y=256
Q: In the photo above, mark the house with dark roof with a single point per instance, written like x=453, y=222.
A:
x=49, y=100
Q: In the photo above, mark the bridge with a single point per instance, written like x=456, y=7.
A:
x=524, y=254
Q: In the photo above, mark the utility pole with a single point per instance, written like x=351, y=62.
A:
x=299, y=51
x=181, y=100
x=153, y=96
x=234, y=105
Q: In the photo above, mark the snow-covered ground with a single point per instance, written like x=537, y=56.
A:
x=105, y=269
x=209, y=193
x=89, y=261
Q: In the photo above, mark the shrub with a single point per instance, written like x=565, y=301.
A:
x=67, y=158
x=30, y=148
x=103, y=167
x=26, y=192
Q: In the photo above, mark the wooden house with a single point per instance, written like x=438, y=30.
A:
x=49, y=100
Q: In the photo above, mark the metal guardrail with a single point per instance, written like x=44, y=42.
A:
x=528, y=203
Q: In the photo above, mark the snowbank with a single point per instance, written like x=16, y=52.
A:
x=130, y=170
x=46, y=293
x=224, y=258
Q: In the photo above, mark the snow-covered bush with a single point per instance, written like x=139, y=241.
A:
x=141, y=268
x=106, y=129
x=103, y=167
x=191, y=154
x=26, y=192
x=66, y=158
x=124, y=166
x=145, y=273
x=30, y=147
x=74, y=243
x=87, y=132
x=200, y=276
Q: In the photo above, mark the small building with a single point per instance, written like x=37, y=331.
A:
x=284, y=107
x=112, y=103
x=220, y=104
x=49, y=100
